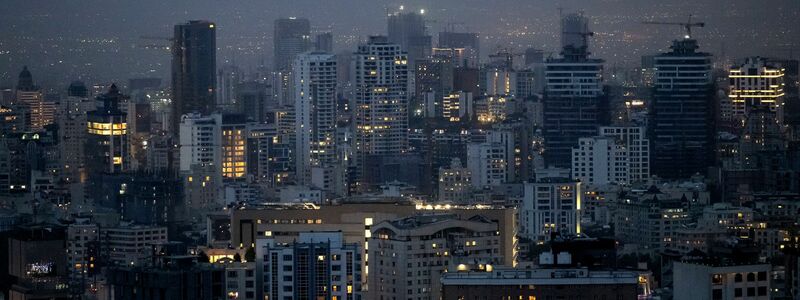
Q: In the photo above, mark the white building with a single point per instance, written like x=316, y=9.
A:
x=697, y=280
x=600, y=160
x=638, y=149
x=551, y=205
x=132, y=245
x=492, y=162
x=381, y=80
x=200, y=140
x=408, y=256
x=315, y=111
x=318, y=265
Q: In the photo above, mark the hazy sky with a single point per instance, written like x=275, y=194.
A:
x=98, y=40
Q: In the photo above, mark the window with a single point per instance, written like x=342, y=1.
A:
x=738, y=277
x=762, y=276
x=751, y=292
x=751, y=277
x=716, y=294
x=737, y=292
x=762, y=291
x=716, y=279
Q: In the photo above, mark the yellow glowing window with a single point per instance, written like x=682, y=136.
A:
x=117, y=160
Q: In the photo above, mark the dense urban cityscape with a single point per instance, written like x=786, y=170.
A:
x=352, y=149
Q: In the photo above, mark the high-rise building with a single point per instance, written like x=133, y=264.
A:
x=29, y=98
x=315, y=112
x=756, y=84
x=228, y=79
x=194, y=71
x=324, y=42
x=318, y=265
x=292, y=36
x=467, y=44
x=381, y=99
x=218, y=140
x=681, y=115
x=550, y=206
x=433, y=80
x=407, y=29
x=233, y=145
x=254, y=99
x=492, y=161
x=200, y=141
x=72, y=131
x=107, y=140
x=574, y=102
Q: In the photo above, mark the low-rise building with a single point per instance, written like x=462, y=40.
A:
x=543, y=283
x=699, y=279
x=408, y=256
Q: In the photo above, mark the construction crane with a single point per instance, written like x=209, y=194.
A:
x=504, y=56
x=687, y=25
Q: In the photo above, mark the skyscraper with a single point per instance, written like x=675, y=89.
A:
x=107, y=149
x=408, y=30
x=292, y=37
x=681, y=121
x=575, y=103
x=468, y=42
x=193, y=70
x=38, y=112
x=380, y=71
x=315, y=111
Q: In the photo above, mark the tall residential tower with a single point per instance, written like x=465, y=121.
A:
x=194, y=70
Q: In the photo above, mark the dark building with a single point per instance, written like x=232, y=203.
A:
x=194, y=55
x=574, y=105
x=681, y=115
x=253, y=100
x=34, y=263
x=324, y=42
x=143, y=198
x=468, y=41
x=466, y=80
x=433, y=78
x=22, y=154
x=292, y=36
x=405, y=168
x=107, y=148
x=540, y=283
x=78, y=89
x=408, y=30
x=144, y=83
x=181, y=280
